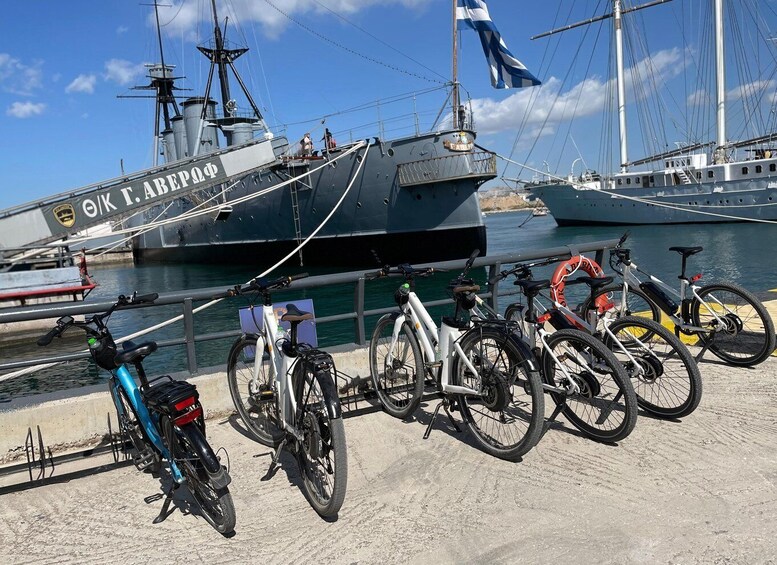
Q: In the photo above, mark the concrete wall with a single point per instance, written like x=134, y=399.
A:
x=77, y=419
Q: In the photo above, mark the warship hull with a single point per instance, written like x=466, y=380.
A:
x=414, y=199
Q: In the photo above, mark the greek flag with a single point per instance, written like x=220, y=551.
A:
x=506, y=70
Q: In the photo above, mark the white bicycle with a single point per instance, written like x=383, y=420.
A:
x=478, y=366
x=284, y=392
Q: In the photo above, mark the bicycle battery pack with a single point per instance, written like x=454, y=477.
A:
x=177, y=399
x=560, y=322
x=659, y=297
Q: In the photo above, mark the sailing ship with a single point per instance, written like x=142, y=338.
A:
x=699, y=182
x=411, y=199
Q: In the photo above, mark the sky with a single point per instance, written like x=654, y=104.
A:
x=64, y=67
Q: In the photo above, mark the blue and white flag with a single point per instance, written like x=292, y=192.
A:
x=506, y=70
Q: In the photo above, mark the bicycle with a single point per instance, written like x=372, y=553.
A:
x=727, y=319
x=285, y=394
x=479, y=367
x=663, y=373
x=163, y=418
x=588, y=384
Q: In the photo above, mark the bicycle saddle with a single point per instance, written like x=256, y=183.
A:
x=133, y=352
x=686, y=251
x=594, y=282
x=294, y=314
x=465, y=288
x=532, y=287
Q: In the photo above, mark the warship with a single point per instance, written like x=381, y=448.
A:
x=410, y=199
x=720, y=181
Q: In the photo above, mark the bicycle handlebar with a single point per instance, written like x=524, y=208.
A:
x=405, y=269
x=264, y=285
x=523, y=269
x=66, y=322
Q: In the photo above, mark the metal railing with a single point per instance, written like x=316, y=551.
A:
x=449, y=167
x=358, y=315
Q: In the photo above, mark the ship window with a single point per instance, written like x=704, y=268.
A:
x=772, y=167
x=759, y=169
x=652, y=179
x=745, y=170
x=636, y=180
x=628, y=181
x=667, y=164
x=710, y=174
x=390, y=152
x=698, y=175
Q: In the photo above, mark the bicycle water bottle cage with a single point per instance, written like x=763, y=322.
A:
x=177, y=399
x=103, y=351
x=659, y=297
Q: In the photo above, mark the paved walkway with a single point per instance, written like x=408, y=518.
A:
x=699, y=491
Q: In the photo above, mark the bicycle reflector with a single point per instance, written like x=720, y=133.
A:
x=543, y=317
x=189, y=416
x=695, y=278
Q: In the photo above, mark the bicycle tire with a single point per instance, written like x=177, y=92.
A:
x=607, y=390
x=749, y=339
x=130, y=426
x=507, y=421
x=669, y=383
x=216, y=504
x=516, y=313
x=401, y=386
x=637, y=303
x=256, y=408
x=321, y=456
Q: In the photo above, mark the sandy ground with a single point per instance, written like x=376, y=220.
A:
x=703, y=490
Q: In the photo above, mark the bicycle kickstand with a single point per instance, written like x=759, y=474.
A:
x=168, y=499
x=553, y=416
x=275, y=461
x=443, y=404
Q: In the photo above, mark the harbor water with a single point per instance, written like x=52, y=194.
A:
x=740, y=253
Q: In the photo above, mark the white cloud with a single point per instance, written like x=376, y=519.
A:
x=123, y=72
x=547, y=106
x=82, y=83
x=25, y=109
x=187, y=15
x=698, y=98
x=121, y=30
x=20, y=78
x=750, y=89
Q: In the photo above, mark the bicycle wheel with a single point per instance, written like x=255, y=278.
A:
x=398, y=372
x=599, y=400
x=746, y=337
x=506, y=421
x=255, y=401
x=516, y=313
x=663, y=372
x=215, y=503
x=146, y=457
x=321, y=453
x=636, y=303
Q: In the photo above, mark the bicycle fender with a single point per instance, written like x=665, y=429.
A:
x=197, y=439
x=324, y=366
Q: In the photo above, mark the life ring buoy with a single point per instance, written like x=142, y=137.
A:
x=566, y=269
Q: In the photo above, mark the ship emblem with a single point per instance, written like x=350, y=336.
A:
x=65, y=215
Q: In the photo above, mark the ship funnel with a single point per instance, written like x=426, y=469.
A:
x=168, y=146
x=192, y=111
x=179, y=137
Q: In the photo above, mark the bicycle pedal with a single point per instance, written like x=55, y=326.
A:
x=145, y=459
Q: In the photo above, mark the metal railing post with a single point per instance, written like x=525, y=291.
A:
x=358, y=306
x=493, y=271
x=188, y=328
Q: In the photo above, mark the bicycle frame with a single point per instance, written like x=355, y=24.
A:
x=427, y=333
x=121, y=377
x=280, y=369
x=683, y=321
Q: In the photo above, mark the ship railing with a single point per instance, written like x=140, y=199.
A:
x=470, y=164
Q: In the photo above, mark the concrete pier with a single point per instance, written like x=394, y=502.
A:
x=701, y=490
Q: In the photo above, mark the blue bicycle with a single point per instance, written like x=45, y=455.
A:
x=163, y=418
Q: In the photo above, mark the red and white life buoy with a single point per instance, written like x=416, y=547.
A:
x=569, y=267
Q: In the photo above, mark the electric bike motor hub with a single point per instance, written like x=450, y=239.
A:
x=496, y=394
x=652, y=368
x=313, y=437
x=588, y=384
